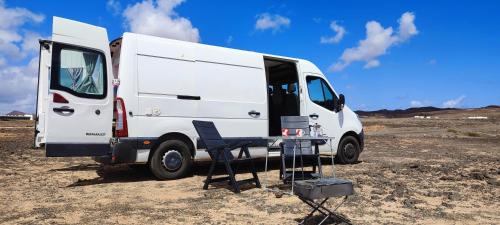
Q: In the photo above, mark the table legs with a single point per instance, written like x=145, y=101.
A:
x=318, y=206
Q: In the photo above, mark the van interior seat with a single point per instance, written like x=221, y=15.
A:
x=291, y=104
x=277, y=110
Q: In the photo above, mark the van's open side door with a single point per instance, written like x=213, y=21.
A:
x=75, y=97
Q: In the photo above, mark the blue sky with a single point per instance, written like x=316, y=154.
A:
x=450, y=56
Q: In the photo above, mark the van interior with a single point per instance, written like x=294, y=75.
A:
x=283, y=92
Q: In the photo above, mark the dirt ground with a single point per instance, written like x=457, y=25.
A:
x=442, y=170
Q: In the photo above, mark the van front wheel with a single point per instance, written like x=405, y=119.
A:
x=348, y=151
x=171, y=160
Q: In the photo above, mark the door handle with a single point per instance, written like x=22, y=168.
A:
x=254, y=113
x=64, y=109
x=314, y=116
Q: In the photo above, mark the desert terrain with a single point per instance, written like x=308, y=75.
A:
x=442, y=170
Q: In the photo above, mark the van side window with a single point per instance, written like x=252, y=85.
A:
x=320, y=93
x=79, y=71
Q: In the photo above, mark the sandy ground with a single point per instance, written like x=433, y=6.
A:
x=413, y=171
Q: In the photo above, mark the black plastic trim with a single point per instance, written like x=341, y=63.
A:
x=81, y=149
x=255, y=142
x=124, y=152
x=188, y=97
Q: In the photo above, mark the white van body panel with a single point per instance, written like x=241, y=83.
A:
x=230, y=84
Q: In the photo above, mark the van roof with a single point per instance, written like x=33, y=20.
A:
x=306, y=66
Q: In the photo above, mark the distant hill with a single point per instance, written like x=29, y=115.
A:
x=16, y=113
x=410, y=111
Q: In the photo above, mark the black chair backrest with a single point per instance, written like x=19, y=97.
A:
x=208, y=134
x=292, y=123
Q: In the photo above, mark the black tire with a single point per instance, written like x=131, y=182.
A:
x=348, y=151
x=165, y=163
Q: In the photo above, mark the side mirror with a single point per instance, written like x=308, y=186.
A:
x=340, y=103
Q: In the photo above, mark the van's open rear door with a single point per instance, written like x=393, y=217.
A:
x=75, y=97
x=43, y=82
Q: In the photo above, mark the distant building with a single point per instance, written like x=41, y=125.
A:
x=16, y=115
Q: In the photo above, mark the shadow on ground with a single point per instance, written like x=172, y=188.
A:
x=139, y=173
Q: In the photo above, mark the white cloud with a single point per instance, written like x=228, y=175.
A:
x=18, y=87
x=433, y=62
x=416, y=103
x=453, y=103
x=30, y=43
x=407, y=26
x=371, y=64
x=17, y=45
x=13, y=18
x=339, y=34
x=378, y=40
x=273, y=22
x=158, y=18
x=114, y=6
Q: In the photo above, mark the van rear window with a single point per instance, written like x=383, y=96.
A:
x=79, y=71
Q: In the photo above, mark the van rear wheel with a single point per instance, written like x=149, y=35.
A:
x=348, y=151
x=171, y=160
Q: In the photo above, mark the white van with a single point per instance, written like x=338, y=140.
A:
x=133, y=100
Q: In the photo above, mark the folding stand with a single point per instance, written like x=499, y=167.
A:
x=316, y=193
x=318, y=206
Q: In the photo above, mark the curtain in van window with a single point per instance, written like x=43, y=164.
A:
x=75, y=74
x=82, y=71
x=93, y=76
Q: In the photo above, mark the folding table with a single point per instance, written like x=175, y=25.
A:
x=316, y=140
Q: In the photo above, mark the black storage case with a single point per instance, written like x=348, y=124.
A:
x=323, y=188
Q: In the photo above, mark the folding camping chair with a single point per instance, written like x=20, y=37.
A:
x=301, y=149
x=220, y=152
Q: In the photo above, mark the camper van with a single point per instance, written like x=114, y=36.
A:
x=133, y=100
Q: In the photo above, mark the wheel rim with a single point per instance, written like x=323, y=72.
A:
x=349, y=151
x=172, y=160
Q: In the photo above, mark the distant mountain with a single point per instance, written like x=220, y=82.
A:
x=410, y=111
x=16, y=113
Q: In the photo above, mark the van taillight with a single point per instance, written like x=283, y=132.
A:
x=57, y=98
x=121, y=129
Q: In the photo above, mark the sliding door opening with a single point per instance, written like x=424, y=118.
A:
x=283, y=92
